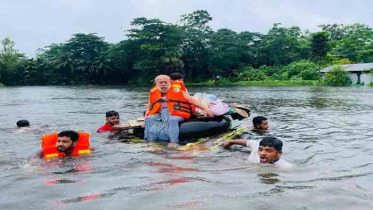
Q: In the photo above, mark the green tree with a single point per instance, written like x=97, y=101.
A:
x=226, y=53
x=319, y=46
x=356, y=37
x=281, y=46
x=251, y=46
x=196, y=43
x=119, y=58
x=248, y=73
x=79, y=61
x=84, y=52
x=304, y=69
x=335, y=31
x=11, y=64
x=337, y=77
x=157, y=45
x=365, y=54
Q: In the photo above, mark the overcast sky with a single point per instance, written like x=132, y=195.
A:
x=33, y=24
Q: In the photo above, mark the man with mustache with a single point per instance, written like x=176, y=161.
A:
x=168, y=105
x=269, y=150
x=260, y=123
x=66, y=141
x=112, y=122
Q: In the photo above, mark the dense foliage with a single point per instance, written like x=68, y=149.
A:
x=190, y=46
x=337, y=77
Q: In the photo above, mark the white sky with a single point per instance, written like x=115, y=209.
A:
x=33, y=24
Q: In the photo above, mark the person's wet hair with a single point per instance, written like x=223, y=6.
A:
x=111, y=113
x=258, y=120
x=73, y=135
x=271, y=142
x=176, y=76
x=23, y=123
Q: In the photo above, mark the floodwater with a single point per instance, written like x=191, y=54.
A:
x=327, y=134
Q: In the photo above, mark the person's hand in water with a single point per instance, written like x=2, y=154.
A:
x=120, y=126
x=226, y=144
x=173, y=145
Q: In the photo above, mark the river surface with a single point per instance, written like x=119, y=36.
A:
x=327, y=134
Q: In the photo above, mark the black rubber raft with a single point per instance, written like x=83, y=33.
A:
x=193, y=129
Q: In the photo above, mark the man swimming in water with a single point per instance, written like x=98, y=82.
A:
x=112, y=122
x=23, y=123
x=260, y=123
x=269, y=150
x=65, y=143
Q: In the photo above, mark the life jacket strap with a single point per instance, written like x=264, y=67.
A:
x=178, y=106
x=53, y=155
x=84, y=152
x=160, y=100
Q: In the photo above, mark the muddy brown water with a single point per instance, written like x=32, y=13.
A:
x=327, y=133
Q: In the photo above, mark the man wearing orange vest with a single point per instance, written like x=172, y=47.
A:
x=65, y=143
x=168, y=105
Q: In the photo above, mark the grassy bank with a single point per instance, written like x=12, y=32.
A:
x=258, y=83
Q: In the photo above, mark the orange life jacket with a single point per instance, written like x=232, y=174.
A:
x=183, y=88
x=50, y=149
x=176, y=103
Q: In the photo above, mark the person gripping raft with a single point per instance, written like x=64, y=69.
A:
x=268, y=150
x=112, y=122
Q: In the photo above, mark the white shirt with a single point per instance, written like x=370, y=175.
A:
x=254, y=155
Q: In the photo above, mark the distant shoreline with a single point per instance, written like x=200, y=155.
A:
x=258, y=83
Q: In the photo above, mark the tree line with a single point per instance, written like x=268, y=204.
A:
x=191, y=47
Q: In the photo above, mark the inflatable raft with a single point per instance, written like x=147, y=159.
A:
x=190, y=130
x=194, y=129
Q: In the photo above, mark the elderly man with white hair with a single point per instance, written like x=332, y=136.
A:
x=167, y=106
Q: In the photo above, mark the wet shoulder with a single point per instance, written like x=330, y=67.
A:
x=283, y=164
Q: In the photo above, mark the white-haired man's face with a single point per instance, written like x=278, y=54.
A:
x=163, y=84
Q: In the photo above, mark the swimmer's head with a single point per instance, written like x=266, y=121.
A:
x=163, y=83
x=177, y=76
x=23, y=123
x=112, y=117
x=260, y=123
x=66, y=141
x=270, y=149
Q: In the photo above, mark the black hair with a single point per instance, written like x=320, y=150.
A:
x=271, y=142
x=258, y=120
x=176, y=76
x=73, y=135
x=111, y=113
x=23, y=123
